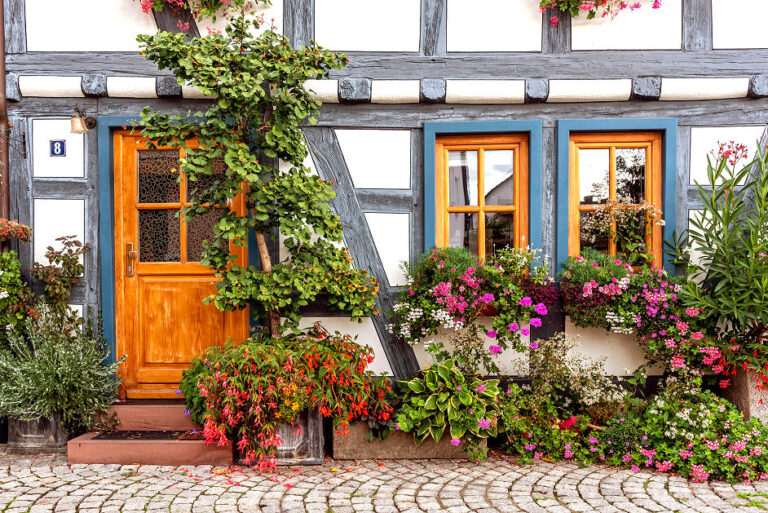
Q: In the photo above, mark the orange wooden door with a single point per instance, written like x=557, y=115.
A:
x=161, y=321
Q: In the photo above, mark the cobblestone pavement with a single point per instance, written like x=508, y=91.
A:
x=39, y=484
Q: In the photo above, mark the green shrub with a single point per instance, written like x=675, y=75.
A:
x=188, y=387
x=49, y=369
x=15, y=296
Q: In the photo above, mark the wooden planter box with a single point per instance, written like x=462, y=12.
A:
x=397, y=446
x=37, y=436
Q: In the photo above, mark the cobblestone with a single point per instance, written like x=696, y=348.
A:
x=47, y=484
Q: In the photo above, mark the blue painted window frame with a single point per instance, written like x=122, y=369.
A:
x=533, y=128
x=106, y=126
x=668, y=127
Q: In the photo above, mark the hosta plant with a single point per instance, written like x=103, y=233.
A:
x=443, y=402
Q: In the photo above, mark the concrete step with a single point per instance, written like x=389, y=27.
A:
x=88, y=449
x=146, y=416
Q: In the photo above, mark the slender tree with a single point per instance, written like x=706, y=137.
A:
x=252, y=125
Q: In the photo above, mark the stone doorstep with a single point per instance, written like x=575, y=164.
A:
x=397, y=446
x=152, y=417
x=84, y=449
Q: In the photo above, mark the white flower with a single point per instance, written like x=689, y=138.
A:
x=4, y=294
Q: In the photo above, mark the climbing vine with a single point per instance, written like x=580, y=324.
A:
x=252, y=126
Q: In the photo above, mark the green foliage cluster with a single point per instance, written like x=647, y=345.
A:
x=254, y=122
x=441, y=399
x=15, y=296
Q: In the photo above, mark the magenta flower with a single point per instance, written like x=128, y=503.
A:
x=484, y=423
x=536, y=322
x=480, y=388
x=534, y=345
x=525, y=332
x=495, y=349
x=491, y=333
x=540, y=309
x=526, y=301
x=513, y=327
x=455, y=442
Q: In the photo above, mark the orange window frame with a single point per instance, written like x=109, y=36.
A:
x=652, y=143
x=481, y=143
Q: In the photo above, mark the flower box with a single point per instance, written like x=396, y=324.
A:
x=397, y=446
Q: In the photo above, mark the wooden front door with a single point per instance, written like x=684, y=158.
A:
x=161, y=320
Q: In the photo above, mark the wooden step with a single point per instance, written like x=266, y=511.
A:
x=87, y=449
x=152, y=417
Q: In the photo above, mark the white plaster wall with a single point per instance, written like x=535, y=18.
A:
x=392, y=236
x=360, y=25
x=377, y=159
x=86, y=25
x=673, y=89
x=705, y=142
x=54, y=218
x=739, y=24
x=43, y=164
x=273, y=14
x=623, y=352
x=366, y=335
x=510, y=362
x=493, y=26
x=643, y=29
x=609, y=90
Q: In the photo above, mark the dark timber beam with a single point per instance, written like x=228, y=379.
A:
x=330, y=164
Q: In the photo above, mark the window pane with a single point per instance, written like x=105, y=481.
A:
x=462, y=178
x=159, y=236
x=200, y=228
x=594, y=170
x=156, y=182
x=595, y=231
x=203, y=183
x=462, y=230
x=499, y=177
x=499, y=231
x=630, y=234
x=630, y=174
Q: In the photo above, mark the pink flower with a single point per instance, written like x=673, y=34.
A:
x=697, y=335
x=513, y=327
x=536, y=322
x=484, y=423
x=455, y=442
x=534, y=345
x=491, y=333
x=525, y=332
x=495, y=349
x=537, y=455
x=595, y=264
x=540, y=309
x=713, y=446
x=554, y=21
x=685, y=454
x=635, y=468
x=665, y=466
x=627, y=458
x=480, y=388
x=526, y=301
x=677, y=361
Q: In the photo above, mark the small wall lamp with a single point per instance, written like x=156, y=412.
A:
x=81, y=123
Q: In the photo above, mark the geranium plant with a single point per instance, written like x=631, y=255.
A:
x=244, y=391
x=449, y=289
x=254, y=122
x=199, y=8
x=593, y=8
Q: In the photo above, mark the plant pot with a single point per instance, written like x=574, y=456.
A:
x=488, y=310
x=397, y=446
x=302, y=441
x=170, y=17
x=37, y=436
x=750, y=401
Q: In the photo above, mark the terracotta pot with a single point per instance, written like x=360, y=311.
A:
x=37, y=436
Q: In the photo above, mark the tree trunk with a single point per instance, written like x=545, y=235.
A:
x=273, y=319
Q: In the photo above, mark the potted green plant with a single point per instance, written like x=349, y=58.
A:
x=54, y=372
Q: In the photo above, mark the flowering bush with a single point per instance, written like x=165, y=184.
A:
x=442, y=397
x=731, y=271
x=14, y=230
x=15, y=296
x=602, y=291
x=449, y=288
x=199, y=8
x=249, y=389
x=592, y=8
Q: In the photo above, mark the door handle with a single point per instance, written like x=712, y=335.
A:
x=130, y=259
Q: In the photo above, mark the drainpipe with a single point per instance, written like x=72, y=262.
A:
x=5, y=197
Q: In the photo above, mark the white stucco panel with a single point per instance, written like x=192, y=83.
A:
x=51, y=86
x=354, y=25
x=395, y=91
x=610, y=90
x=645, y=28
x=44, y=165
x=392, y=236
x=86, y=25
x=705, y=142
x=377, y=159
x=366, y=335
x=703, y=88
x=485, y=91
x=54, y=218
x=325, y=91
x=131, y=87
x=739, y=24
x=493, y=26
